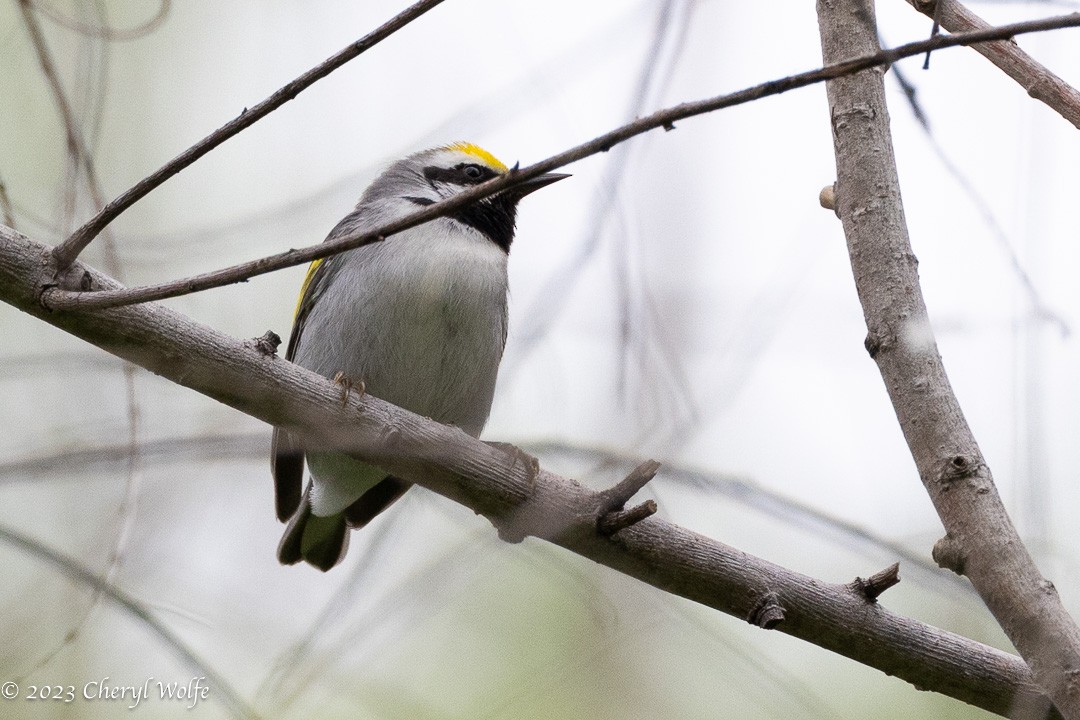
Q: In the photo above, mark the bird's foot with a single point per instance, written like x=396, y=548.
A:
x=517, y=455
x=347, y=386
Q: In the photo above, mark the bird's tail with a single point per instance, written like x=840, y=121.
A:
x=323, y=541
x=319, y=541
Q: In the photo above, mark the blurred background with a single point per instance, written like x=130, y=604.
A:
x=682, y=297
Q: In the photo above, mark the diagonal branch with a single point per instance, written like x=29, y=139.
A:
x=66, y=252
x=230, y=697
x=59, y=299
x=77, y=146
x=981, y=541
x=105, y=31
x=492, y=482
x=1035, y=78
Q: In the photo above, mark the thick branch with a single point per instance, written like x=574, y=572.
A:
x=67, y=251
x=1036, y=79
x=507, y=492
x=59, y=299
x=982, y=538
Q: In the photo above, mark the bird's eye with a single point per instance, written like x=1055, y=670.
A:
x=473, y=172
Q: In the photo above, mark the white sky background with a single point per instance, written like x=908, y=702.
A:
x=741, y=355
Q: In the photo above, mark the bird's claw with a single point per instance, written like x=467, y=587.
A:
x=529, y=462
x=347, y=386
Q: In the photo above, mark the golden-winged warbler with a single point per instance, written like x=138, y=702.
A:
x=419, y=319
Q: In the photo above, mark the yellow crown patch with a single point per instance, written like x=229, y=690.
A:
x=479, y=153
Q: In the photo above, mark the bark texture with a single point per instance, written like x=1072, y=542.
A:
x=981, y=541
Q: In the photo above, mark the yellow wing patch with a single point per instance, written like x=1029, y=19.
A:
x=304, y=288
x=479, y=153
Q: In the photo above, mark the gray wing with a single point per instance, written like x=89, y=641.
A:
x=287, y=453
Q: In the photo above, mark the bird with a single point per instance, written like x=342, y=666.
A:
x=418, y=319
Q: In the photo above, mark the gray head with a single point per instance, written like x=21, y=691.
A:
x=440, y=173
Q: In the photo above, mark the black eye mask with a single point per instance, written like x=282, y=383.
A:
x=461, y=174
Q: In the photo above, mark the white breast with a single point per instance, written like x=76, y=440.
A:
x=420, y=318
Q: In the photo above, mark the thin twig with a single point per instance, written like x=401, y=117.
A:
x=617, y=520
x=1039, y=306
x=57, y=299
x=872, y=587
x=774, y=505
x=102, y=461
x=104, y=31
x=1041, y=310
x=6, y=206
x=76, y=144
x=618, y=495
x=552, y=296
x=221, y=688
x=67, y=251
x=1039, y=82
x=935, y=29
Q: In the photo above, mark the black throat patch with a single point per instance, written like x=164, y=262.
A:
x=493, y=216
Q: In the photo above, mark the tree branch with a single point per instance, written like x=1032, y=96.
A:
x=59, y=299
x=66, y=252
x=507, y=492
x=982, y=541
x=1039, y=82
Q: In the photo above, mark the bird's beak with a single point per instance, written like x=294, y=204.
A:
x=519, y=191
